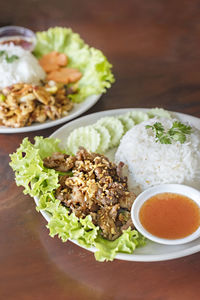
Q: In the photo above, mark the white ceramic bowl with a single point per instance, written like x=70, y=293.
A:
x=164, y=188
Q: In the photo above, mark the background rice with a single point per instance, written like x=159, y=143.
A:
x=26, y=69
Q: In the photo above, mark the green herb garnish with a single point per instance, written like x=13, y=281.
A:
x=2, y=52
x=11, y=58
x=177, y=132
x=69, y=173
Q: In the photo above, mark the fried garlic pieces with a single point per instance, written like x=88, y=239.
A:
x=24, y=104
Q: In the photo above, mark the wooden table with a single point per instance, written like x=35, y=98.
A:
x=154, y=47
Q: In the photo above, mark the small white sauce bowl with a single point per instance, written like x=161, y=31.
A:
x=180, y=189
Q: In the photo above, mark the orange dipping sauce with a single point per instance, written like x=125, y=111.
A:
x=170, y=216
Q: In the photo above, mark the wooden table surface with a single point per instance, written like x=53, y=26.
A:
x=154, y=47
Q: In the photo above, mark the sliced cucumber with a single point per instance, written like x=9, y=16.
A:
x=159, y=112
x=138, y=116
x=127, y=121
x=86, y=137
x=104, y=138
x=115, y=128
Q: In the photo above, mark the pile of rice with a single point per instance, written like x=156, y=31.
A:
x=26, y=69
x=150, y=163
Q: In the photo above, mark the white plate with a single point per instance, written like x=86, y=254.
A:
x=77, y=110
x=151, y=251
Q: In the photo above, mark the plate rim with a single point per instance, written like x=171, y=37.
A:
x=84, y=106
x=124, y=256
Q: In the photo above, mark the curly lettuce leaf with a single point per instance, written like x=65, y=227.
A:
x=67, y=225
x=46, y=146
x=126, y=243
x=29, y=170
x=41, y=182
x=95, y=68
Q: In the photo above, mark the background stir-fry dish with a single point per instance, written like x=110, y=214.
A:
x=25, y=104
x=42, y=85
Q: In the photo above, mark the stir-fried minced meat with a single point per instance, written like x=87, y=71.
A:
x=95, y=189
x=60, y=162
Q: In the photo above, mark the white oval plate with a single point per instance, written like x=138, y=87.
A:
x=77, y=110
x=151, y=251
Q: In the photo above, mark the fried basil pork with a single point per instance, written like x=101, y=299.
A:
x=96, y=189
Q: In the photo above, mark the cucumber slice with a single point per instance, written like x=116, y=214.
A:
x=86, y=137
x=104, y=138
x=138, y=116
x=114, y=127
x=159, y=112
x=127, y=122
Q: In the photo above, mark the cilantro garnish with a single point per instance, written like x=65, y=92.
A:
x=177, y=132
x=9, y=59
x=2, y=52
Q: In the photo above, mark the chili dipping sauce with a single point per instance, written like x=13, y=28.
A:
x=170, y=216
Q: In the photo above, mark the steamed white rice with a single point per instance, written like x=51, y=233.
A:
x=151, y=163
x=26, y=69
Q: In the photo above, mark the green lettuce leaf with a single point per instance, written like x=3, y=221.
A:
x=29, y=170
x=67, y=225
x=46, y=146
x=95, y=68
x=126, y=243
x=41, y=182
